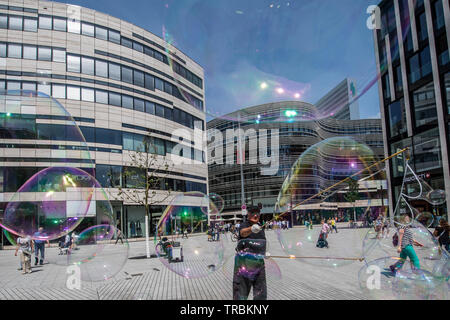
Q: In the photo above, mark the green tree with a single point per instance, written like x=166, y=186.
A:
x=352, y=194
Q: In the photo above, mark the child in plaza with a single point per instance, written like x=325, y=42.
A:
x=322, y=242
x=405, y=246
x=25, y=249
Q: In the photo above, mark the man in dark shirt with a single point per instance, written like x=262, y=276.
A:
x=249, y=267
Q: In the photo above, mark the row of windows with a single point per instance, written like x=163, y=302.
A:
x=32, y=52
x=113, y=71
x=19, y=126
x=45, y=22
x=62, y=91
x=143, y=65
x=54, y=147
x=12, y=178
x=97, y=67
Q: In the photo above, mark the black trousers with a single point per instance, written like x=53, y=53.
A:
x=242, y=283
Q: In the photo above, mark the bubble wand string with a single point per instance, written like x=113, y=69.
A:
x=325, y=258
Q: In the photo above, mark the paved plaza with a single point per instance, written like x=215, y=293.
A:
x=150, y=279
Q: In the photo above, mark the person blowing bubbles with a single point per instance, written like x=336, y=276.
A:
x=249, y=267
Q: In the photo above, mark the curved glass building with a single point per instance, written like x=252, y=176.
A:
x=120, y=84
x=274, y=136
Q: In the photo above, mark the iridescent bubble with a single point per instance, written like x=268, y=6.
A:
x=335, y=173
x=218, y=201
x=190, y=254
x=426, y=218
x=419, y=285
x=56, y=198
x=98, y=255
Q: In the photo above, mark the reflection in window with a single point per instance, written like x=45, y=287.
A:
x=30, y=24
x=29, y=52
x=127, y=102
x=87, y=29
x=398, y=169
x=447, y=90
x=114, y=71
x=101, y=33
x=58, y=91
x=73, y=93
x=45, y=54
x=101, y=68
x=87, y=66
x=15, y=51
x=424, y=105
x=15, y=23
x=73, y=63
x=127, y=75
x=45, y=23
x=101, y=96
x=74, y=26
x=88, y=95
x=427, y=151
x=115, y=99
x=59, y=55
x=59, y=24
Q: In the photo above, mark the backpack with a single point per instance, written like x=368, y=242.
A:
x=395, y=240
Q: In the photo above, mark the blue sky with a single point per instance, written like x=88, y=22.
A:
x=305, y=47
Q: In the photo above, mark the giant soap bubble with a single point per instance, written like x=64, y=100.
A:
x=192, y=256
x=58, y=195
x=335, y=175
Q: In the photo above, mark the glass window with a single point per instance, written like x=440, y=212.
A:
x=139, y=144
x=397, y=118
x=2, y=50
x=13, y=85
x=74, y=26
x=58, y=91
x=150, y=107
x=114, y=36
x=115, y=99
x=149, y=82
x=73, y=63
x=424, y=105
x=101, y=33
x=158, y=145
x=87, y=29
x=439, y=21
x=87, y=66
x=414, y=68
x=59, y=24
x=127, y=43
x=108, y=176
x=88, y=94
x=101, y=96
x=139, y=105
x=422, y=27
x=44, y=54
x=101, y=68
x=128, y=141
x=138, y=78
x=138, y=47
x=447, y=91
x=15, y=51
x=30, y=24
x=2, y=85
x=159, y=84
x=127, y=102
x=3, y=21
x=114, y=71
x=425, y=61
x=386, y=87
x=127, y=75
x=148, y=51
x=427, y=151
x=158, y=56
x=44, y=88
x=15, y=23
x=45, y=23
x=29, y=86
x=108, y=136
x=159, y=111
x=59, y=55
x=29, y=52
x=73, y=93
x=167, y=88
x=398, y=161
x=168, y=113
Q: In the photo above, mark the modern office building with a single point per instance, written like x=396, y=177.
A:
x=119, y=82
x=294, y=135
x=341, y=98
x=412, y=56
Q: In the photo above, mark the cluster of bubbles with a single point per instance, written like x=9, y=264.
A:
x=59, y=199
x=425, y=279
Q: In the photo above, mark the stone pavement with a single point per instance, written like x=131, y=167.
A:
x=144, y=279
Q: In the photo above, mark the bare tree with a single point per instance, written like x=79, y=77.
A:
x=145, y=174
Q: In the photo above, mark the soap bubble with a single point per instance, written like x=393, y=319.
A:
x=56, y=198
x=194, y=256
x=419, y=285
x=426, y=218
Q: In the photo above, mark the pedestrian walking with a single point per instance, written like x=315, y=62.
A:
x=442, y=233
x=119, y=233
x=405, y=246
x=39, y=246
